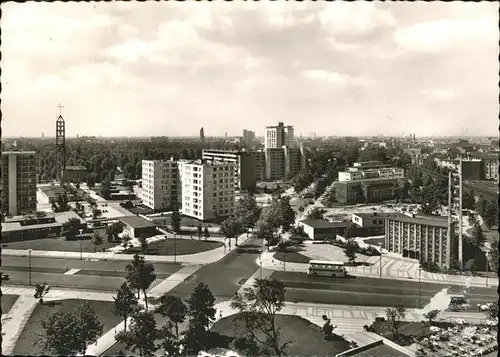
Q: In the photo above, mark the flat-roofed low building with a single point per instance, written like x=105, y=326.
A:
x=136, y=226
x=421, y=237
x=370, y=164
x=365, y=191
x=318, y=229
x=31, y=227
x=77, y=173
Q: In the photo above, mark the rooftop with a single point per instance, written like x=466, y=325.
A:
x=376, y=349
x=321, y=223
x=374, y=214
x=76, y=167
x=14, y=223
x=136, y=222
x=439, y=221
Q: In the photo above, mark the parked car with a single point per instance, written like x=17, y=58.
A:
x=5, y=276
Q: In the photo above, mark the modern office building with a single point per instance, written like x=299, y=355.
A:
x=370, y=165
x=365, y=191
x=421, y=237
x=77, y=173
x=355, y=174
x=472, y=169
x=160, y=184
x=283, y=163
x=18, y=182
x=245, y=161
x=207, y=189
x=490, y=166
x=279, y=136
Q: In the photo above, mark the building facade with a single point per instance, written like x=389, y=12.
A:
x=18, y=182
x=245, y=175
x=75, y=173
x=354, y=174
x=369, y=165
x=160, y=189
x=490, y=165
x=207, y=189
x=248, y=138
x=421, y=237
x=365, y=191
x=472, y=169
x=278, y=136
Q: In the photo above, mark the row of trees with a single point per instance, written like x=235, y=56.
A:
x=274, y=220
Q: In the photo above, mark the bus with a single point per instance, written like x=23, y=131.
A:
x=326, y=268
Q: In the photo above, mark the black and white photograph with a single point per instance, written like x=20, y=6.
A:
x=249, y=178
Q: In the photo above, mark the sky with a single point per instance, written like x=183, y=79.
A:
x=169, y=68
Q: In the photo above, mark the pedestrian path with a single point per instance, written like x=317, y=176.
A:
x=14, y=322
x=267, y=261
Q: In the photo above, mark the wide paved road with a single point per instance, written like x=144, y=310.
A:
x=370, y=291
x=93, y=275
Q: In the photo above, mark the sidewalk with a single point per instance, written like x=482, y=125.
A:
x=207, y=257
x=14, y=322
x=267, y=261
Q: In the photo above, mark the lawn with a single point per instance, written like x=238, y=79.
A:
x=306, y=339
x=7, y=302
x=291, y=257
x=181, y=246
x=62, y=245
x=30, y=343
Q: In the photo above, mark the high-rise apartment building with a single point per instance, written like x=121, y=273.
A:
x=18, y=182
x=160, y=184
x=245, y=161
x=207, y=189
x=248, y=138
x=279, y=136
x=202, y=135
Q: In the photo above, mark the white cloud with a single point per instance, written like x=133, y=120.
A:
x=356, y=18
x=334, y=77
x=441, y=93
x=444, y=34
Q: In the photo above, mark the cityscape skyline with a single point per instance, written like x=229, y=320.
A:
x=119, y=80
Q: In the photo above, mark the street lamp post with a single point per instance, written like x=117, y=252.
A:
x=29, y=263
x=419, y=275
x=487, y=265
x=175, y=248
x=380, y=260
x=81, y=244
x=260, y=266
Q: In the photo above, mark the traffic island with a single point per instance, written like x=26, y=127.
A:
x=7, y=302
x=304, y=337
x=292, y=257
x=30, y=341
x=177, y=247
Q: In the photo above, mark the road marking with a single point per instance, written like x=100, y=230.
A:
x=356, y=314
x=72, y=271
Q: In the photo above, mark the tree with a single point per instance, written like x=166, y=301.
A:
x=96, y=213
x=231, y=228
x=493, y=255
x=89, y=326
x=113, y=230
x=106, y=189
x=430, y=199
x=490, y=216
x=142, y=333
x=468, y=199
x=258, y=307
x=395, y=317
x=174, y=308
x=125, y=302
x=60, y=331
x=247, y=211
x=199, y=231
x=140, y=275
x=96, y=240
x=176, y=220
x=125, y=239
x=201, y=313
x=316, y=213
x=492, y=311
x=40, y=291
x=351, y=249
x=481, y=206
x=478, y=237
x=70, y=228
x=206, y=233
x=169, y=342
x=143, y=241
x=68, y=334
x=432, y=315
x=264, y=228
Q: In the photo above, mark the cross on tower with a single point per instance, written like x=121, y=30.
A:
x=60, y=106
